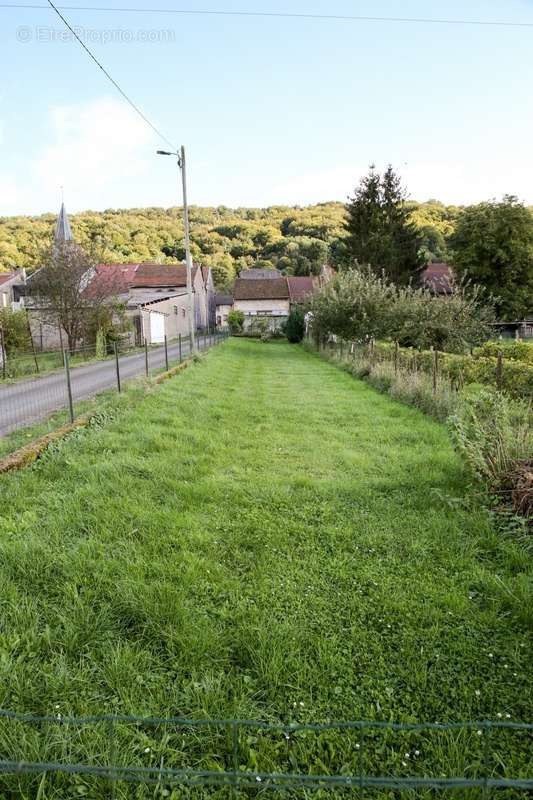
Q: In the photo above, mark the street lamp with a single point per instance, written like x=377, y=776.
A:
x=188, y=260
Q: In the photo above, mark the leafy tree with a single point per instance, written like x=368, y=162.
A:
x=493, y=246
x=15, y=330
x=295, y=325
x=380, y=232
x=358, y=304
x=60, y=289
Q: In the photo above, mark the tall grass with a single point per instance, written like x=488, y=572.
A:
x=411, y=386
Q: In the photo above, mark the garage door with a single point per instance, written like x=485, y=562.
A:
x=157, y=327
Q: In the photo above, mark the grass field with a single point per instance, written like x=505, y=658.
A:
x=262, y=537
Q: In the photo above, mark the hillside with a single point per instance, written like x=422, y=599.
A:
x=293, y=239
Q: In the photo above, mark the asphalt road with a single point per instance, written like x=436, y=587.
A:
x=27, y=402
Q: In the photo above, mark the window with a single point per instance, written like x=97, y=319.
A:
x=175, y=310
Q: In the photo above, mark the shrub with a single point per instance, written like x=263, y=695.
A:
x=295, y=325
x=15, y=330
x=357, y=304
x=493, y=435
x=236, y=321
x=516, y=350
x=516, y=376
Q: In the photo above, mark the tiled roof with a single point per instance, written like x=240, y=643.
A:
x=223, y=300
x=111, y=279
x=7, y=276
x=261, y=289
x=300, y=287
x=437, y=277
x=151, y=275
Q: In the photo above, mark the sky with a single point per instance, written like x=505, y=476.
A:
x=272, y=111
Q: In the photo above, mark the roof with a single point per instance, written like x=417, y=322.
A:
x=112, y=279
x=162, y=275
x=437, y=277
x=62, y=232
x=300, y=287
x=261, y=289
x=7, y=276
x=255, y=274
x=145, y=298
x=223, y=300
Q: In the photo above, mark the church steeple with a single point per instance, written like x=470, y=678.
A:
x=62, y=231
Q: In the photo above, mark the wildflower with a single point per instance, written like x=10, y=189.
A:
x=258, y=779
x=407, y=755
x=147, y=750
x=56, y=705
x=507, y=716
x=491, y=655
x=404, y=763
x=480, y=733
x=417, y=752
x=506, y=666
x=357, y=746
x=301, y=704
x=478, y=693
x=499, y=715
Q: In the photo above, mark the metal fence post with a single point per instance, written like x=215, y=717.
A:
x=3, y=353
x=179, y=342
x=146, y=357
x=69, y=386
x=117, y=365
x=166, y=353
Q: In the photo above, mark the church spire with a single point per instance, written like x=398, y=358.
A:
x=62, y=231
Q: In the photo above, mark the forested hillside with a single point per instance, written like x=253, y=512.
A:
x=296, y=240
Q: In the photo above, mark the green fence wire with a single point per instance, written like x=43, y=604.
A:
x=246, y=754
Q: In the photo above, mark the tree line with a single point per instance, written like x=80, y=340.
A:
x=491, y=243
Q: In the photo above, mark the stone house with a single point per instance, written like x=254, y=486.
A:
x=9, y=281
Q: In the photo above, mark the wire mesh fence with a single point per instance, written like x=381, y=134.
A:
x=101, y=756
x=65, y=379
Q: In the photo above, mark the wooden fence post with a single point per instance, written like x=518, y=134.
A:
x=499, y=371
x=434, y=370
x=396, y=356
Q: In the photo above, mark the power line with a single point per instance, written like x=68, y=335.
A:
x=110, y=78
x=284, y=15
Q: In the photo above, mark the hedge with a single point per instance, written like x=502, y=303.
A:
x=517, y=350
x=516, y=377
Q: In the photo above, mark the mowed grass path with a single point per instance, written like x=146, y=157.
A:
x=262, y=537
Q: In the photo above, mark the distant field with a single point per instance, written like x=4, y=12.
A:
x=262, y=537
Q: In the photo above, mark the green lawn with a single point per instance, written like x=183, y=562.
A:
x=262, y=537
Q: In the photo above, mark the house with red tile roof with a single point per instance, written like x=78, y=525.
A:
x=270, y=298
x=438, y=277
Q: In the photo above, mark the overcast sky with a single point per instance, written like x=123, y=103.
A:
x=272, y=111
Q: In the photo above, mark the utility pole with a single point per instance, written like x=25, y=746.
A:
x=188, y=260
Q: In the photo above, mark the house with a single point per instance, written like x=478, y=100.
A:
x=153, y=295
x=301, y=287
x=270, y=298
x=438, y=278
x=223, y=305
x=9, y=281
x=262, y=297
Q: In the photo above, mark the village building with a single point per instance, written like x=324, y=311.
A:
x=153, y=296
